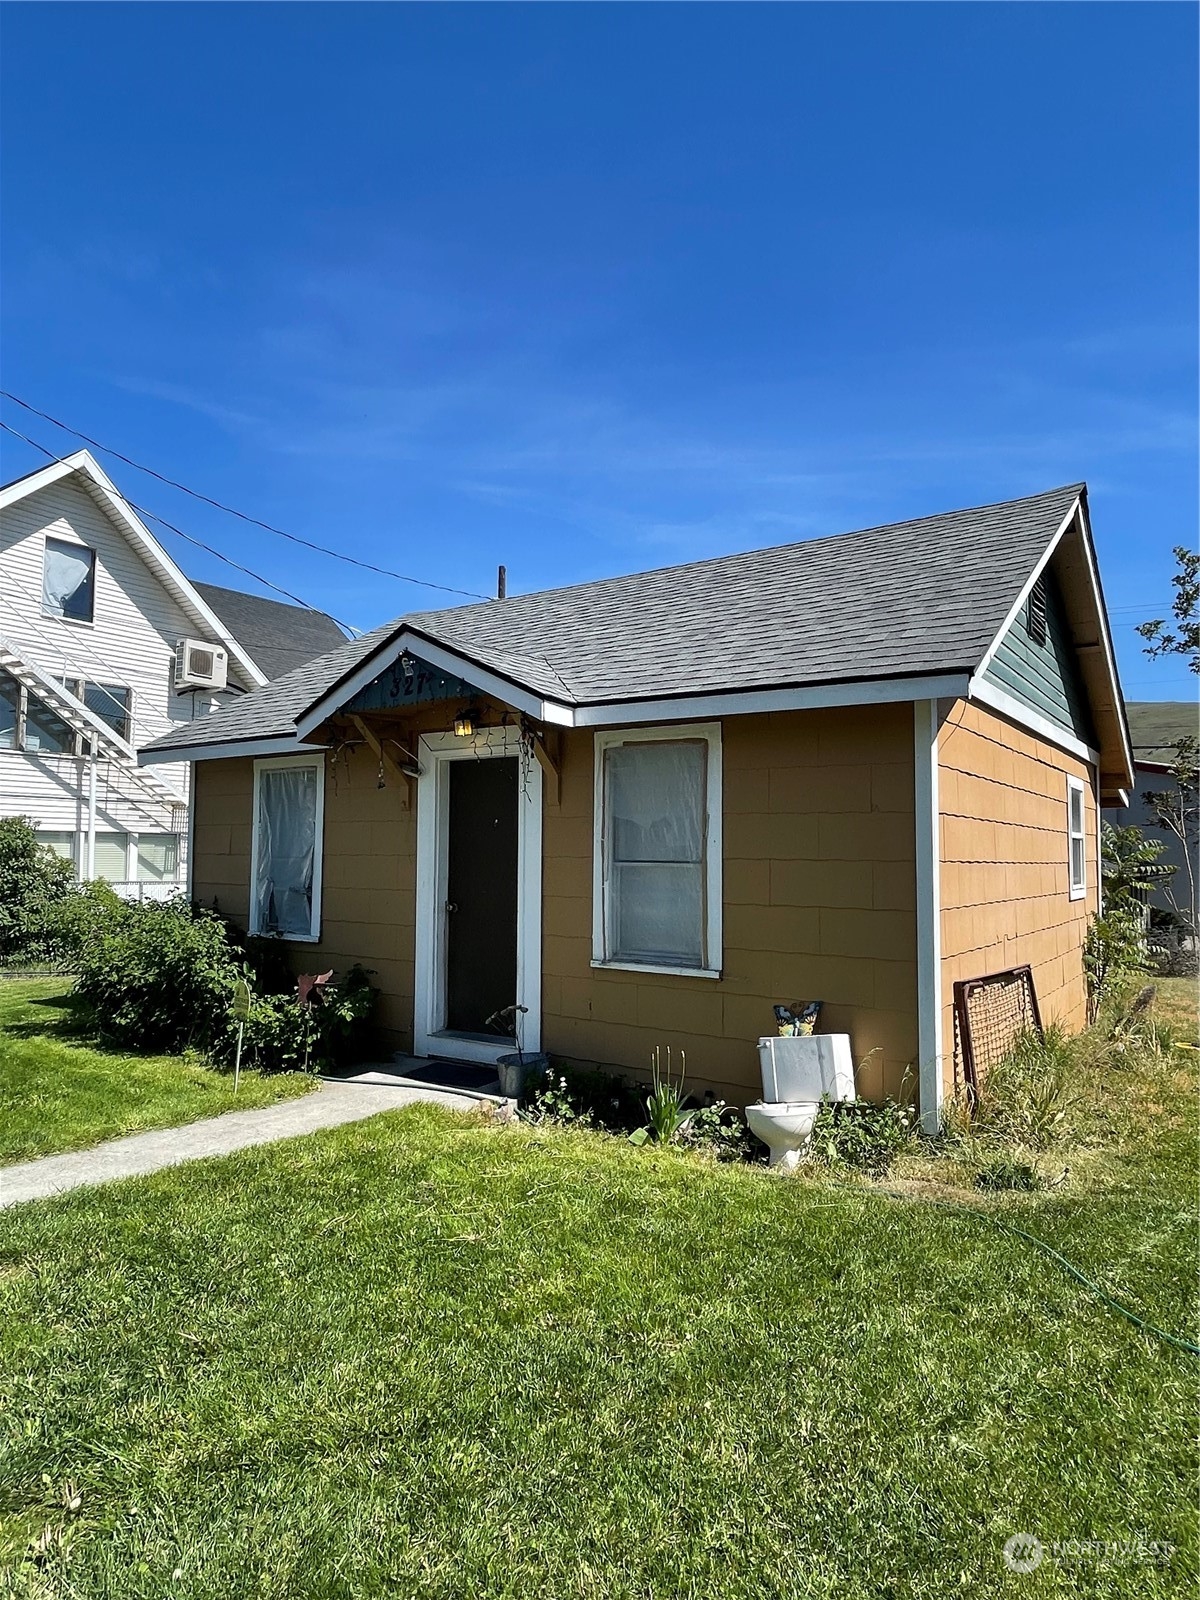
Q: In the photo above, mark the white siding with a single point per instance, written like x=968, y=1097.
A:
x=131, y=642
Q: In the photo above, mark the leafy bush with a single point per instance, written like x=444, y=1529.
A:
x=75, y=922
x=571, y=1095
x=718, y=1131
x=159, y=977
x=285, y=1034
x=867, y=1135
x=556, y=1103
x=33, y=884
x=1024, y=1098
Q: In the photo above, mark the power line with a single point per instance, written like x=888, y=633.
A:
x=309, y=544
x=154, y=517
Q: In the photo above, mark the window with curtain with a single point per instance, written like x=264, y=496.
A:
x=1077, y=839
x=69, y=581
x=654, y=851
x=288, y=803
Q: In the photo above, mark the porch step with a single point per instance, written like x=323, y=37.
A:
x=463, y=1078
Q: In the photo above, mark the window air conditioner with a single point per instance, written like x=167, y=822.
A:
x=200, y=666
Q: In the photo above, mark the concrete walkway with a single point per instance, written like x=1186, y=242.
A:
x=327, y=1107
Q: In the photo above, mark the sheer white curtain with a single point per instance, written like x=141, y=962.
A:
x=67, y=581
x=654, y=836
x=287, y=837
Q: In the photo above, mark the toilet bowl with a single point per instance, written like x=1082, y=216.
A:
x=797, y=1074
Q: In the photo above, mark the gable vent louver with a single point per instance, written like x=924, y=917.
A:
x=1037, y=612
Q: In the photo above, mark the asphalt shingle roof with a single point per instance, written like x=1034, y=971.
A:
x=913, y=598
x=276, y=636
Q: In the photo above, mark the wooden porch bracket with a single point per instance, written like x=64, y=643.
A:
x=550, y=763
x=386, y=760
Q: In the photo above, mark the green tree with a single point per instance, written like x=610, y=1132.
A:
x=1129, y=867
x=34, y=882
x=1176, y=810
x=1183, y=638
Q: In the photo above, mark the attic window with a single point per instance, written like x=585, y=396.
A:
x=69, y=581
x=1037, y=612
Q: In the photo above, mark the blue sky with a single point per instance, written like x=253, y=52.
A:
x=585, y=289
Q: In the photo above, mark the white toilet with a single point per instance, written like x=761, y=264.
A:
x=797, y=1073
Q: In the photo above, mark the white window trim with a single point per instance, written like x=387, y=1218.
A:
x=1077, y=889
x=710, y=732
x=437, y=752
x=274, y=764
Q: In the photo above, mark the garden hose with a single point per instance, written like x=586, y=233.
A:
x=1067, y=1266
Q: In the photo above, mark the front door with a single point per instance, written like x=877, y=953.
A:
x=481, y=892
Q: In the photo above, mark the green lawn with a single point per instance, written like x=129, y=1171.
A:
x=60, y=1091
x=424, y=1356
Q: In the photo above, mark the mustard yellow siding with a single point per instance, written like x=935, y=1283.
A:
x=367, y=898
x=1005, y=893
x=819, y=896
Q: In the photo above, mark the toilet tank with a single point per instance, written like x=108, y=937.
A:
x=806, y=1067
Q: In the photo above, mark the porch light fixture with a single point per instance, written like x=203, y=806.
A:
x=465, y=722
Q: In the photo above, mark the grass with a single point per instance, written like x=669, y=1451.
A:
x=62, y=1091
x=425, y=1356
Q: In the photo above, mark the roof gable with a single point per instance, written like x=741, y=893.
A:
x=1040, y=668
x=82, y=468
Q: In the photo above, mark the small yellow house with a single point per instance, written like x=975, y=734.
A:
x=855, y=769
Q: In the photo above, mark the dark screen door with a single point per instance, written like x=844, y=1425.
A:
x=481, y=893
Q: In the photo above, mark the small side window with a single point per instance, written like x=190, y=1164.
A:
x=69, y=581
x=1076, y=839
x=111, y=702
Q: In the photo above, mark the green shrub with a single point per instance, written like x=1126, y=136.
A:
x=283, y=1034
x=864, y=1134
x=33, y=884
x=571, y=1095
x=75, y=922
x=718, y=1131
x=556, y=1103
x=159, y=978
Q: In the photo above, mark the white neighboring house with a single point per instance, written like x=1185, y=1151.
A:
x=93, y=616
